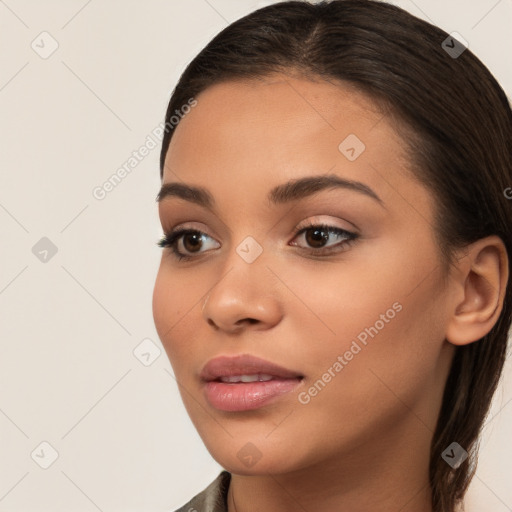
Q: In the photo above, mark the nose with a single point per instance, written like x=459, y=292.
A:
x=246, y=296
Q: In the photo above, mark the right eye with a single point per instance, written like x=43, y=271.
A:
x=183, y=238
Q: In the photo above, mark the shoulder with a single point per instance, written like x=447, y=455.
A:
x=211, y=499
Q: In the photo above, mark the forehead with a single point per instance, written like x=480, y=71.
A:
x=278, y=107
x=243, y=137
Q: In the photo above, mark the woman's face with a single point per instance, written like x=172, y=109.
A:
x=358, y=322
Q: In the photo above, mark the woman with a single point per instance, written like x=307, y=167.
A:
x=332, y=293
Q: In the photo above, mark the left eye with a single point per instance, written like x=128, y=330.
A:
x=316, y=237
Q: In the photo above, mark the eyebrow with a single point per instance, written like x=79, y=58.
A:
x=290, y=191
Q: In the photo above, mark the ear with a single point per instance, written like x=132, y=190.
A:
x=479, y=282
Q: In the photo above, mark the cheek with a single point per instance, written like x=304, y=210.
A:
x=161, y=304
x=331, y=305
x=172, y=304
x=377, y=383
x=384, y=315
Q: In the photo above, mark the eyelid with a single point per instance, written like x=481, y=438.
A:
x=192, y=226
x=326, y=220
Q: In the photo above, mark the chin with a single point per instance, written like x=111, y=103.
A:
x=260, y=468
x=251, y=459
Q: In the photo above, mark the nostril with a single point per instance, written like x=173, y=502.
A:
x=250, y=320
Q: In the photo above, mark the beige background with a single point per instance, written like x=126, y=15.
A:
x=69, y=326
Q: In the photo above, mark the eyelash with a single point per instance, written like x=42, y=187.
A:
x=170, y=239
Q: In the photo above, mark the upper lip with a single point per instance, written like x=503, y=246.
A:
x=244, y=364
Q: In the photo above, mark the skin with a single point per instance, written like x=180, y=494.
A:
x=363, y=442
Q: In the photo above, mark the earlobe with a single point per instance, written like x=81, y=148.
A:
x=482, y=275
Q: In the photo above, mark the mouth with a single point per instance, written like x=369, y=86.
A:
x=245, y=382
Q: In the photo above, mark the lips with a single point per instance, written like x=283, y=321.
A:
x=245, y=382
x=244, y=364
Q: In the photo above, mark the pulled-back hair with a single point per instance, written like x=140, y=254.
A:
x=458, y=131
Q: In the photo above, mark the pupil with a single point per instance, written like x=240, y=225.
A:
x=319, y=236
x=196, y=243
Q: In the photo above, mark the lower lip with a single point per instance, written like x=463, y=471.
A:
x=245, y=396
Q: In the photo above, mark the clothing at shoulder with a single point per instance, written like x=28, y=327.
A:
x=212, y=499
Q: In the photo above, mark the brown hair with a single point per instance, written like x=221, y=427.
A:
x=459, y=135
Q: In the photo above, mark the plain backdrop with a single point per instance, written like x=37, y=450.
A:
x=90, y=414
